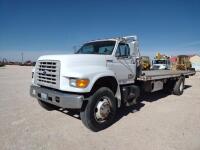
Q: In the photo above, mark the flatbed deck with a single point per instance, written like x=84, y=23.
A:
x=163, y=74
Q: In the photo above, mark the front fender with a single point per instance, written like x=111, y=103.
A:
x=93, y=73
x=99, y=75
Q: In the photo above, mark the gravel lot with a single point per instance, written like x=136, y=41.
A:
x=159, y=122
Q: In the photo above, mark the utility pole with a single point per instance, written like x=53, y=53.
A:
x=22, y=54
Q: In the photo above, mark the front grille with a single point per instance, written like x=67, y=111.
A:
x=47, y=73
x=155, y=67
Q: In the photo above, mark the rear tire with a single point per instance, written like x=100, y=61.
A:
x=47, y=106
x=100, y=110
x=179, y=86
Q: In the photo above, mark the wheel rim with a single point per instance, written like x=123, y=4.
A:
x=181, y=86
x=102, y=109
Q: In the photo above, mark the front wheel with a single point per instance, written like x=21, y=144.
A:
x=100, y=110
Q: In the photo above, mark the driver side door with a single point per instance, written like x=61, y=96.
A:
x=123, y=65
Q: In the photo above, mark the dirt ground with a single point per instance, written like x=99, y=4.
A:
x=158, y=122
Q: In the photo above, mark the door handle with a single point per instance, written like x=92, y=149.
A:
x=111, y=61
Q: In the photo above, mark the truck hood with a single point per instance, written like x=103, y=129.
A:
x=77, y=60
x=159, y=64
x=82, y=66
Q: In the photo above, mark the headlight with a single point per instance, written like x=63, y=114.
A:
x=79, y=83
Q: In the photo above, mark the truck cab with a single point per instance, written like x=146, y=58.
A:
x=100, y=70
x=161, y=64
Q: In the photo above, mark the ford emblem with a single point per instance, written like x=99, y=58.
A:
x=44, y=72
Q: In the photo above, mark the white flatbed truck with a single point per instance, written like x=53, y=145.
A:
x=100, y=77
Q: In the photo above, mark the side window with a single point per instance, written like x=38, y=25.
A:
x=88, y=49
x=106, y=50
x=123, y=50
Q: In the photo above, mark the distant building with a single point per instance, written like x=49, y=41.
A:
x=195, y=60
x=173, y=59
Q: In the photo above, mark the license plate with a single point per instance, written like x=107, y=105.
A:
x=44, y=96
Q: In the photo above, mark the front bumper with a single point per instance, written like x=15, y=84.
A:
x=58, y=98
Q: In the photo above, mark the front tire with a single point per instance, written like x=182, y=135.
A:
x=100, y=110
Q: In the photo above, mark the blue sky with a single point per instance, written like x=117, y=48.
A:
x=37, y=27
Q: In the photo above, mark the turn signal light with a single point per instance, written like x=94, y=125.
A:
x=82, y=83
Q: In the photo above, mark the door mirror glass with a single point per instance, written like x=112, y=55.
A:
x=123, y=50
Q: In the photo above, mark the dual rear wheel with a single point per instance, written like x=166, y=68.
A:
x=175, y=86
x=179, y=86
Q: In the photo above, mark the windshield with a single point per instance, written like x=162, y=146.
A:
x=100, y=47
x=159, y=61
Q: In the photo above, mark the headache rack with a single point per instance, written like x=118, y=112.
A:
x=47, y=73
